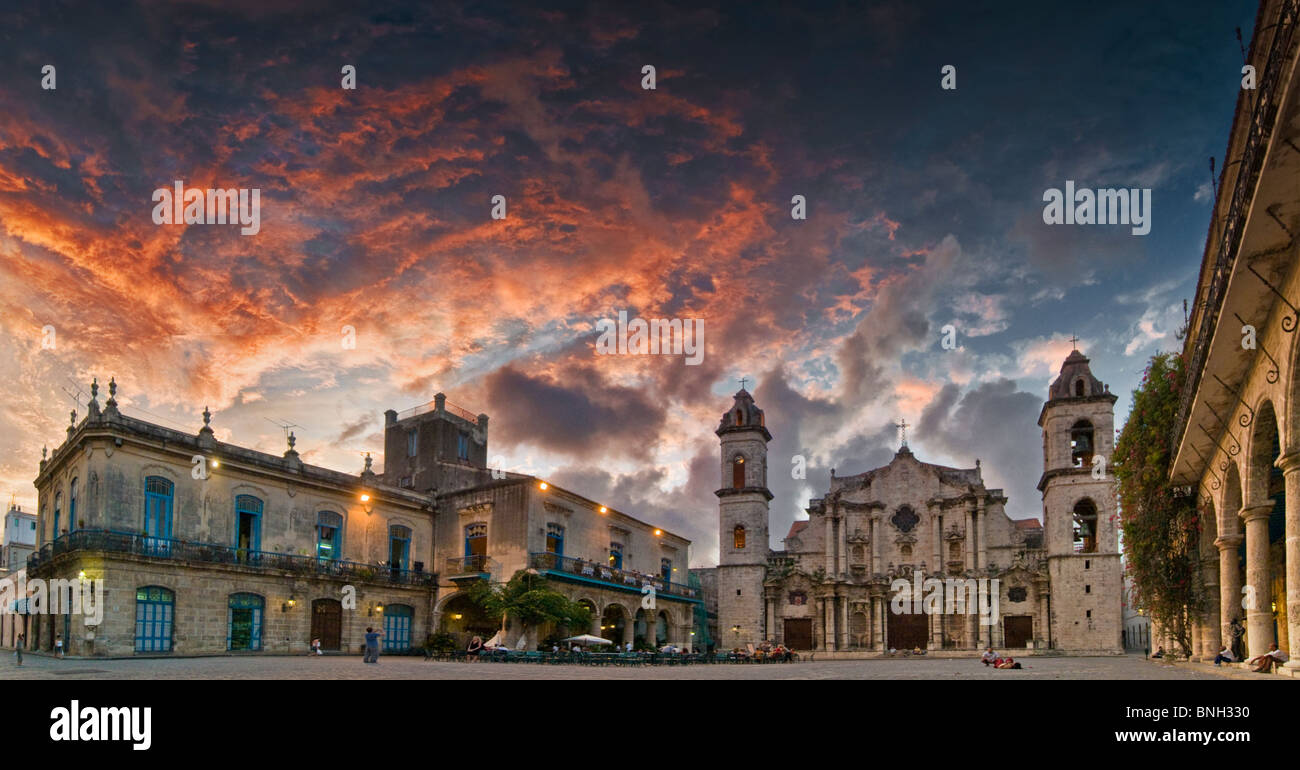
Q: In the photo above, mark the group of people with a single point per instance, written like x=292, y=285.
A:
x=991, y=658
x=765, y=651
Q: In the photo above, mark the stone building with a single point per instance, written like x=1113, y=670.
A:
x=19, y=538
x=1237, y=435
x=207, y=547
x=859, y=575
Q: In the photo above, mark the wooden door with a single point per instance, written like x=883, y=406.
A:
x=907, y=631
x=327, y=623
x=1017, y=630
x=798, y=633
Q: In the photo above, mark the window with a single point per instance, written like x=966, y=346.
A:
x=397, y=627
x=905, y=519
x=399, y=547
x=58, y=506
x=797, y=598
x=72, y=505
x=738, y=537
x=475, y=540
x=616, y=555
x=1085, y=527
x=740, y=417
x=1081, y=443
x=412, y=442
x=158, y=507
x=555, y=539
x=248, y=524
x=154, y=607
x=1080, y=389
x=738, y=473
x=462, y=445
x=666, y=569
x=329, y=535
x=244, y=626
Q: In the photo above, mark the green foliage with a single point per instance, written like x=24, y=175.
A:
x=528, y=598
x=1161, y=528
x=441, y=643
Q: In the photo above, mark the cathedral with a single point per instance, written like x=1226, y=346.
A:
x=916, y=555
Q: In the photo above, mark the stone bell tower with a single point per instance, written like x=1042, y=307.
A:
x=1081, y=528
x=742, y=523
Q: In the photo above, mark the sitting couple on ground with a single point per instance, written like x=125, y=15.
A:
x=1264, y=664
x=991, y=658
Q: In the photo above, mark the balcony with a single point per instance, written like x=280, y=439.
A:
x=618, y=579
x=477, y=567
x=173, y=550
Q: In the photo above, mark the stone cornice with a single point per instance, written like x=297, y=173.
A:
x=1253, y=512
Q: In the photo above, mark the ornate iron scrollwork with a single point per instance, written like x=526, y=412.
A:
x=1275, y=371
x=1245, y=419
x=1289, y=321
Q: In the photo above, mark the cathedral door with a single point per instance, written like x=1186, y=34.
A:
x=909, y=631
x=1018, y=629
x=798, y=633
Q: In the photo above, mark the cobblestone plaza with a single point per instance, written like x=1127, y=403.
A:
x=1127, y=667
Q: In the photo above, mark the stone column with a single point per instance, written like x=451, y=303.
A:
x=1044, y=616
x=844, y=545
x=629, y=632
x=982, y=553
x=936, y=523
x=1259, y=616
x=595, y=624
x=969, y=555
x=844, y=623
x=1290, y=465
x=875, y=546
x=1229, y=587
x=1210, y=635
x=830, y=544
x=878, y=621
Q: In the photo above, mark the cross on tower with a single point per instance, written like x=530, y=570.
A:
x=742, y=381
x=902, y=431
x=1074, y=342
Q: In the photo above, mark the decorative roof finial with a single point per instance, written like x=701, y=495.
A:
x=112, y=393
x=292, y=440
x=44, y=451
x=368, y=461
x=207, y=417
x=94, y=388
x=72, y=420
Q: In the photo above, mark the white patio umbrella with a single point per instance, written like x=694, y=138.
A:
x=588, y=639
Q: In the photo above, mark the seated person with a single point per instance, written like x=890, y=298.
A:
x=989, y=657
x=1160, y=653
x=918, y=651
x=1264, y=664
x=1224, y=656
x=475, y=644
x=1007, y=663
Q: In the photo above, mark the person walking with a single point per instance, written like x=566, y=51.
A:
x=372, y=646
x=58, y=646
x=18, y=649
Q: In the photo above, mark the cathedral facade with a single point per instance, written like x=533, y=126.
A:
x=917, y=555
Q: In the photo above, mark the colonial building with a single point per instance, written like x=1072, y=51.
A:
x=1237, y=435
x=877, y=538
x=19, y=538
x=208, y=547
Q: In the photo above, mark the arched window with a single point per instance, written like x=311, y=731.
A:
x=58, y=508
x=1080, y=388
x=555, y=539
x=666, y=569
x=244, y=626
x=1085, y=526
x=399, y=547
x=72, y=506
x=1081, y=443
x=154, y=607
x=158, y=507
x=738, y=472
x=248, y=524
x=797, y=598
x=475, y=540
x=329, y=535
x=740, y=417
x=397, y=627
x=616, y=555
x=738, y=537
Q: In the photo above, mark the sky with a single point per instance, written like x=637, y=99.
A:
x=924, y=208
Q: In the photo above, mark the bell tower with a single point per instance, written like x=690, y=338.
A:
x=1081, y=528
x=743, y=499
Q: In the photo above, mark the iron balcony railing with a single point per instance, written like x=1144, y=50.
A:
x=469, y=564
x=184, y=550
x=1226, y=241
x=605, y=574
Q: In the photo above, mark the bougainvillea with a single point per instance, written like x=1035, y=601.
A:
x=1160, y=523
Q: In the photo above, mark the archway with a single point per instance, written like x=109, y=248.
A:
x=464, y=619
x=1266, y=535
x=613, y=624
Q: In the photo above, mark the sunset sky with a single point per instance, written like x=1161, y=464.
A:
x=924, y=208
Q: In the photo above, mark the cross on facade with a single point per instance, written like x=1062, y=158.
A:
x=902, y=431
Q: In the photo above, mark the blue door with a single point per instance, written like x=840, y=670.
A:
x=244, y=630
x=157, y=514
x=397, y=627
x=248, y=527
x=154, y=606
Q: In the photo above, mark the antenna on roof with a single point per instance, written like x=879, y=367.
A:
x=76, y=393
x=283, y=425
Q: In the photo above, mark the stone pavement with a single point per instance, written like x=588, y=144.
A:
x=304, y=667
